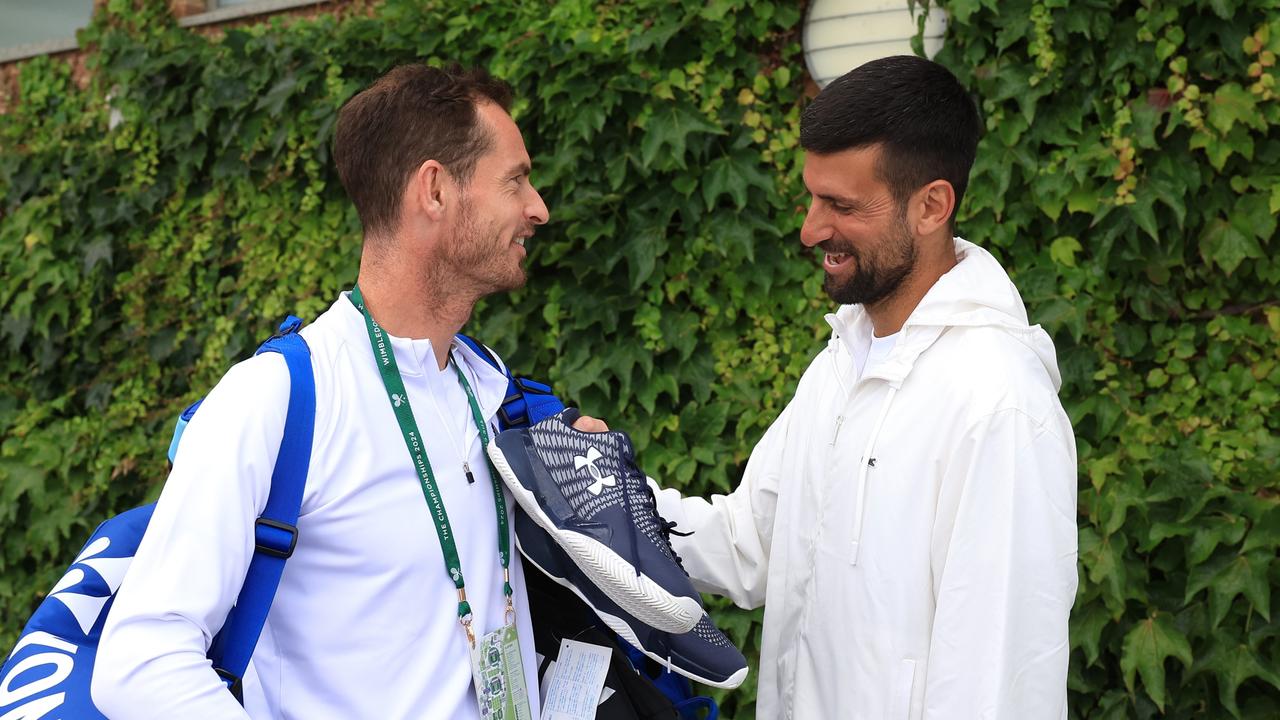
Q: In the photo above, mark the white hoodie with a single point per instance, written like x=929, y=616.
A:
x=911, y=533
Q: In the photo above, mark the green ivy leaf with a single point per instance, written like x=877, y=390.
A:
x=642, y=251
x=273, y=102
x=1086, y=630
x=723, y=178
x=1064, y=249
x=1265, y=534
x=1212, y=533
x=1245, y=575
x=1146, y=646
x=1083, y=199
x=961, y=10
x=1233, y=104
x=97, y=251
x=1224, y=244
x=732, y=176
x=1253, y=212
x=670, y=128
x=1144, y=214
x=1224, y=9
x=1234, y=665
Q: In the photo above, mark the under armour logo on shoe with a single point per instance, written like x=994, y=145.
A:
x=589, y=462
x=396, y=400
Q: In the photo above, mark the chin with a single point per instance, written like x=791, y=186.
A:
x=513, y=281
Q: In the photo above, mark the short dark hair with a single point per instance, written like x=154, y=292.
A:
x=922, y=117
x=412, y=114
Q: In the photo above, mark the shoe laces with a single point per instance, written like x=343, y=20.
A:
x=665, y=526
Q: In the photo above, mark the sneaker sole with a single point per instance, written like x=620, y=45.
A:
x=635, y=593
x=620, y=626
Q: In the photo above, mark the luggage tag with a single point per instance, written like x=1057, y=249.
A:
x=576, y=687
x=497, y=671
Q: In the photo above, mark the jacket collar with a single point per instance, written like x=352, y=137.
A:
x=416, y=357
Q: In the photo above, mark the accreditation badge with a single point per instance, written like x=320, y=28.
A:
x=498, y=673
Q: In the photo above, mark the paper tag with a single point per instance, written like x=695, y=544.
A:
x=545, y=682
x=574, y=690
x=498, y=674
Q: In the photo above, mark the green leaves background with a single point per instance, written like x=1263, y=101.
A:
x=156, y=225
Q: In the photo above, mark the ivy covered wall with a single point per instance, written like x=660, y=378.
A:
x=154, y=226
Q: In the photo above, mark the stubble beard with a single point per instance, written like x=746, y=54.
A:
x=477, y=257
x=875, y=276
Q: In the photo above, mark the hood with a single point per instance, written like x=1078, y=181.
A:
x=977, y=292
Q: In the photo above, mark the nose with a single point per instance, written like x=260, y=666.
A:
x=816, y=229
x=536, y=211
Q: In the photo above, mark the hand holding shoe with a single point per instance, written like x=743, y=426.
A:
x=589, y=424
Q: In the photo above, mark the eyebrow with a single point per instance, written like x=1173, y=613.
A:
x=522, y=168
x=840, y=200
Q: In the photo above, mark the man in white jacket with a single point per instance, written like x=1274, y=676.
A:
x=909, y=521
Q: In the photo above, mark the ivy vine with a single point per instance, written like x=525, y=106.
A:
x=154, y=226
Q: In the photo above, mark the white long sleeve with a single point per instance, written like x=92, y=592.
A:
x=728, y=551
x=364, y=622
x=193, y=558
x=1005, y=574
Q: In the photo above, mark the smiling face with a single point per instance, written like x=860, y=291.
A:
x=862, y=231
x=497, y=211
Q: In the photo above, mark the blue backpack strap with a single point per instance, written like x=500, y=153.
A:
x=183, y=419
x=276, y=531
x=527, y=401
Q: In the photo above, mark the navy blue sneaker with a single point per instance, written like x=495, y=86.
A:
x=703, y=655
x=585, y=491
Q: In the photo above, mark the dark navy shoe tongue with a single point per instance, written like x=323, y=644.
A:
x=569, y=416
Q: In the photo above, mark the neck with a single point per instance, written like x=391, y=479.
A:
x=413, y=304
x=890, y=314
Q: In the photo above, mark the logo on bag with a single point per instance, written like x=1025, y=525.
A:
x=88, y=608
x=45, y=650
x=589, y=462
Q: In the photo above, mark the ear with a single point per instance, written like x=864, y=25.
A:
x=429, y=190
x=931, y=208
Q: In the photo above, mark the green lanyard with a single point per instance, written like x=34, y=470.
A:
x=399, y=398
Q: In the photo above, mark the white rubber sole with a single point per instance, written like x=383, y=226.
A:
x=624, y=631
x=636, y=593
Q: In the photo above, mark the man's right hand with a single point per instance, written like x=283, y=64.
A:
x=585, y=423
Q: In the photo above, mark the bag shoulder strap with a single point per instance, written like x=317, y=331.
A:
x=276, y=532
x=483, y=351
x=526, y=401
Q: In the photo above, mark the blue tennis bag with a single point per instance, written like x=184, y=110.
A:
x=48, y=672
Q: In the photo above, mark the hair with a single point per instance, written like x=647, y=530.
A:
x=412, y=114
x=925, y=122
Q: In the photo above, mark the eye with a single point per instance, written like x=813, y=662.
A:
x=841, y=209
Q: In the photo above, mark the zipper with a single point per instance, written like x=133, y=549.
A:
x=836, y=434
x=464, y=451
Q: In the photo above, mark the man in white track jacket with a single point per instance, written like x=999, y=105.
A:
x=909, y=521
x=368, y=620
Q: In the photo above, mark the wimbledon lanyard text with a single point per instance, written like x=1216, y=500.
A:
x=399, y=399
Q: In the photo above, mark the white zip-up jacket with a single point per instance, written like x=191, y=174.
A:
x=364, y=623
x=911, y=533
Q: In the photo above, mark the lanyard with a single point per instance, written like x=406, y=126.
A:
x=399, y=398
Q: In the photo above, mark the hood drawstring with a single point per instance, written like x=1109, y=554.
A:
x=864, y=468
